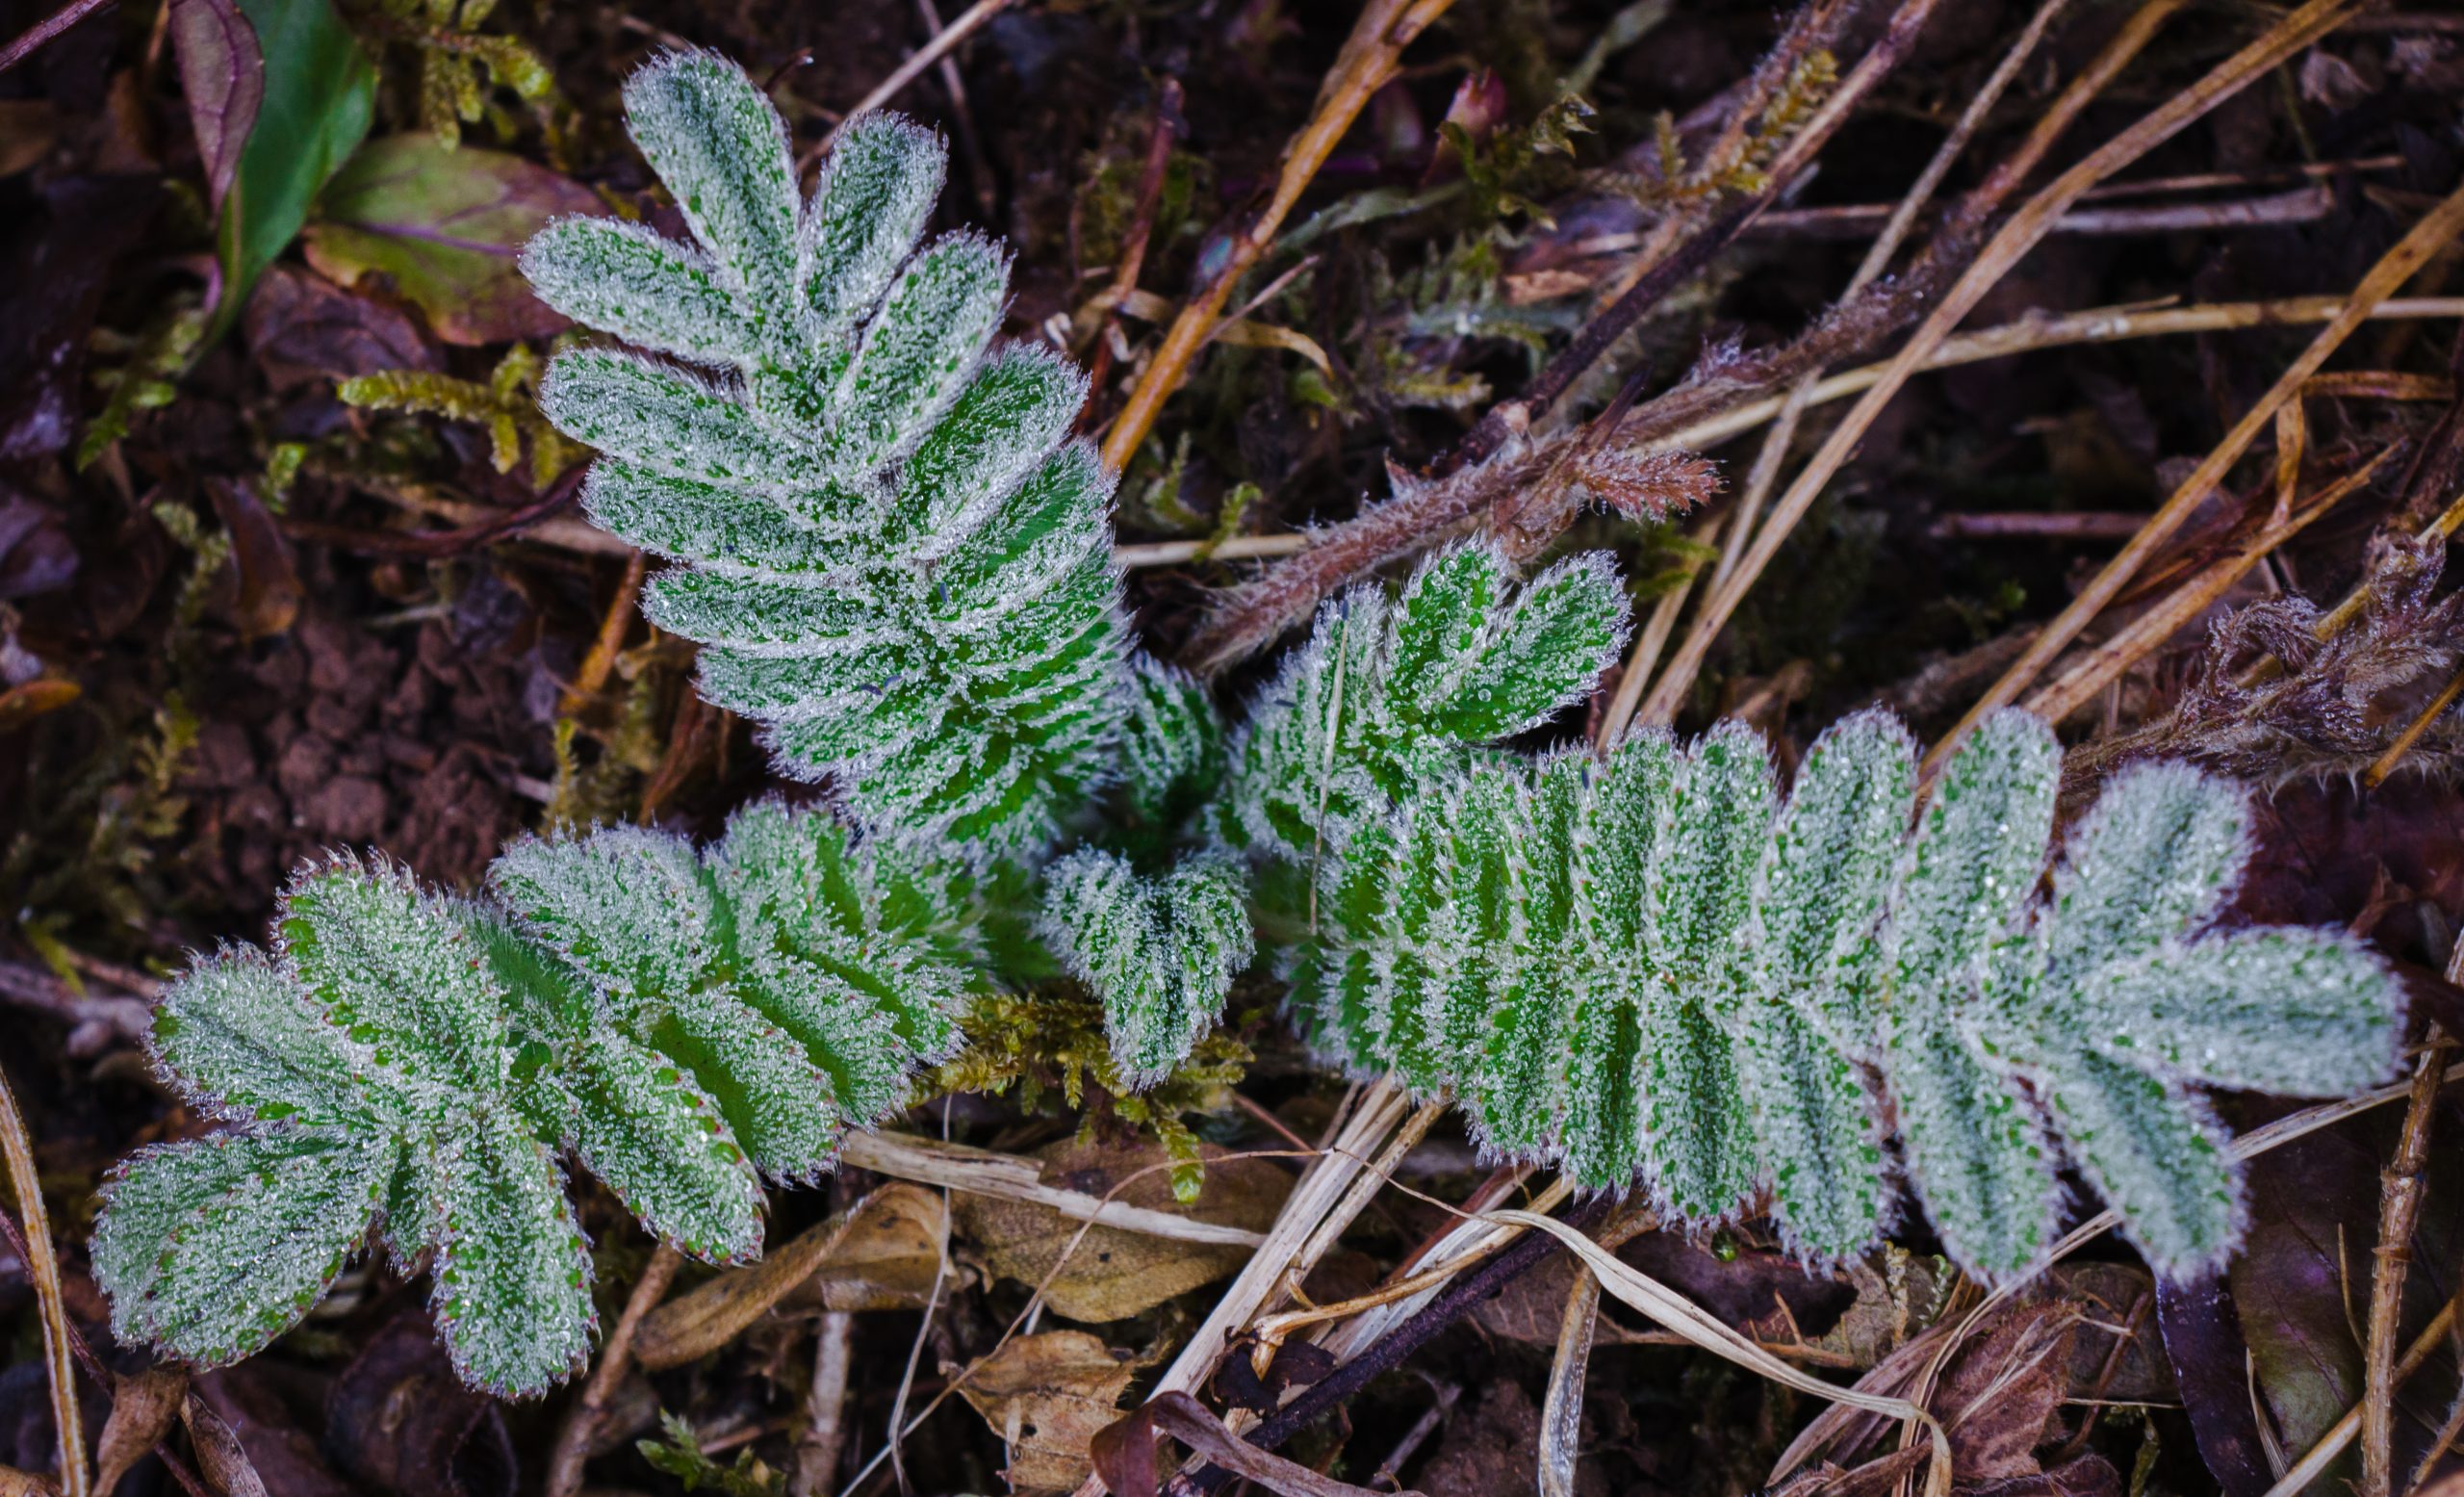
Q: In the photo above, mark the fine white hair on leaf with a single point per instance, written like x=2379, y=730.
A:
x=900, y=560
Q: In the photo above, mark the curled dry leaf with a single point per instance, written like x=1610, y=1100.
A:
x=144, y=1405
x=879, y=1255
x=1047, y=1396
x=15, y=1483
x=22, y=705
x=269, y=590
x=218, y=1452
x=1113, y=1275
x=289, y=1459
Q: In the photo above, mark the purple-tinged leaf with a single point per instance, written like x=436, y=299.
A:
x=2202, y=1336
x=448, y=226
x=223, y=72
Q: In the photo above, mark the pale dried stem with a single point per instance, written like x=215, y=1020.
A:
x=1561, y=1406
x=43, y=1268
x=2089, y=675
x=615, y=1359
x=2400, y=1184
x=1369, y=60
x=925, y=57
x=2298, y=1476
x=824, y=1437
x=979, y=1171
x=1652, y=638
x=2025, y=227
x=2425, y=238
x=1323, y=1188
x=1766, y=473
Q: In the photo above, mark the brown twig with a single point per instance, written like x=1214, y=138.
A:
x=104, y=1378
x=2425, y=237
x=1370, y=58
x=2024, y=228
x=504, y=526
x=1748, y=508
x=2401, y=1185
x=43, y=1268
x=2376, y=774
x=601, y=661
x=925, y=57
x=2089, y=675
x=1526, y=514
x=615, y=1358
x=1100, y=318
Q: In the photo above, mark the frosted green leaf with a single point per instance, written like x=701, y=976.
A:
x=1563, y=628
x=719, y=530
x=876, y=191
x=1814, y=1131
x=2157, y=1155
x=1977, y=854
x=1817, y=904
x=1412, y=958
x=2295, y=1013
x=1016, y=409
x=628, y=907
x=1159, y=954
x=902, y=563
x=1439, y=620
x=1698, y=1138
x=1515, y=1083
x=210, y=1248
x=2150, y=861
x=671, y=423
x=1826, y=871
x=1172, y=744
x=1976, y=1153
x=651, y=292
x=512, y=1271
x=918, y=350
x=722, y=150
x=396, y=971
x=235, y=1033
x=661, y=1143
x=1484, y=818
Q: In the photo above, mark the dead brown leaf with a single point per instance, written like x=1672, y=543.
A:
x=1046, y=1396
x=880, y=1254
x=218, y=1453
x=1113, y=1275
x=144, y=1406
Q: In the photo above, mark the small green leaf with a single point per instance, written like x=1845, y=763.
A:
x=320, y=95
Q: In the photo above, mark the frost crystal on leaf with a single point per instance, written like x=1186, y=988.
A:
x=897, y=561
x=679, y=1022
x=1653, y=970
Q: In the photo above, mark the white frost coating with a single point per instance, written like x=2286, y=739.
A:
x=1651, y=971
x=870, y=482
x=682, y=1023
